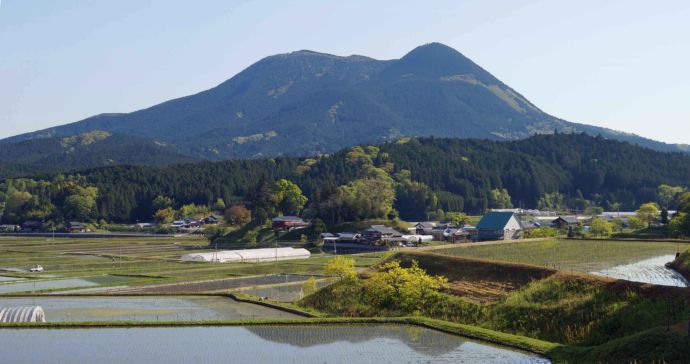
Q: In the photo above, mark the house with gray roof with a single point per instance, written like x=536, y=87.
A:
x=380, y=234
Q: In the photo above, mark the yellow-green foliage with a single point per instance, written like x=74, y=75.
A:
x=255, y=137
x=542, y=232
x=341, y=267
x=84, y=138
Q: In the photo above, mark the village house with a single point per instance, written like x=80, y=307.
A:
x=32, y=226
x=564, y=222
x=499, y=226
x=349, y=237
x=288, y=223
x=10, y=228
x=424, y=227
x=377, y=234
x=77, y=227
x=211, y=220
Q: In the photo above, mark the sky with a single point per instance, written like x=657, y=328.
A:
x=617, y=64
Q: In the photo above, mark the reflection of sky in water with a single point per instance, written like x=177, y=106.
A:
x=41, y=285
x=8, y=279
x=651, y=270
x=144, y=308
x=327, y=344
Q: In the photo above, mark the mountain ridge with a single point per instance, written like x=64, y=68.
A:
x=309, y=103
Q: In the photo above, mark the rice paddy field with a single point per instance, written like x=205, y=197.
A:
x=253, y=344
x=145, y=308
x=94, y=265
x=631, y=260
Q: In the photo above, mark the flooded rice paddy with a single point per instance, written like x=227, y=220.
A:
x=55, y=284
x=9, y=279
x=260, y=344
x=652, y=270
x=43, y=285
x=283, y=293
x=118, y=308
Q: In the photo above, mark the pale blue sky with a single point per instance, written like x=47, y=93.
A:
x=618, y=64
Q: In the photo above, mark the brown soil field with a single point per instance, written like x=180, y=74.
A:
x=476, y=279
x=486, y=281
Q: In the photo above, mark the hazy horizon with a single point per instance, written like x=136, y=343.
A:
x=618, y=65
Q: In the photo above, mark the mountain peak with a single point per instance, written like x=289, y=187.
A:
x=433, y=49
x=434, y=61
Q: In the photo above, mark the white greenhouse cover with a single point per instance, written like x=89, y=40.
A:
x=418, y=238
x=248, y=255
x=22, y=314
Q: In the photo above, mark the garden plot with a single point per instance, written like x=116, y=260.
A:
x=651, y=270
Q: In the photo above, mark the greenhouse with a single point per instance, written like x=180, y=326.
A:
x=248, y=255
x=22, y=314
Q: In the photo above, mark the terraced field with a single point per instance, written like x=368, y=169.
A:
x=631, y=260
x=131, y=264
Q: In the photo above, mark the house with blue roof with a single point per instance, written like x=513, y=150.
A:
x=499, y=226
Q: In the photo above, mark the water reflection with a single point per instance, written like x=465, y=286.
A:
x=75, y=309
x=651, y=270
x=275, y=344
x=421, y=340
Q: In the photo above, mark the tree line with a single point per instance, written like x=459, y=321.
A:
x=413, y=179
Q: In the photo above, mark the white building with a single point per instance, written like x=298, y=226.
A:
x=248, y=255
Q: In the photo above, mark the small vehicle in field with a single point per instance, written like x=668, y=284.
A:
x=36, y=268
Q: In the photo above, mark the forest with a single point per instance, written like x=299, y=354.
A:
x=411, y=178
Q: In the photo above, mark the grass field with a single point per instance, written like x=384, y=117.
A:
x=575, y=255
x=141, y=261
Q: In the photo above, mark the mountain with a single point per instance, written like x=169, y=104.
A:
x=88, y=149
x=309, y=103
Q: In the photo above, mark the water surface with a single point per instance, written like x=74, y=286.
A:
x=652, y=270
x=75, y=309
x=263, y=344
x=42, y=285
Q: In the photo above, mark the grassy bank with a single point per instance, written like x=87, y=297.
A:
x=682, y=264
x=587, y=315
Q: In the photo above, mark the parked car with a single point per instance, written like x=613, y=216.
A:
x=36, y=268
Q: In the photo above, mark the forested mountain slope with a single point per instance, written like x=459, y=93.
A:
x=409, y=177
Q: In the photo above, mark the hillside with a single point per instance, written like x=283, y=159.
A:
x=421, y=176
x=308, y=103
x=85, y=150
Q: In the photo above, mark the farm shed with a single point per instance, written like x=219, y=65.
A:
x=248, y=255
x=22, y=314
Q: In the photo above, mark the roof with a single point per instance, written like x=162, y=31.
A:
x=570, y=220
x=530, y=225
x=248, y=255
x=384, y=230
x=346, y=236
x=426, y=224
x=494, y=220
x=287, y=218
x=327, y=235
